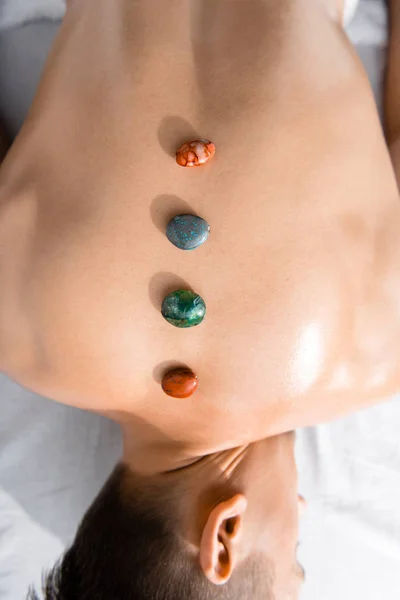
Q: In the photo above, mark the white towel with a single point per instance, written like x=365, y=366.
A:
x=350, y=10
x=18, y=12
x=370, y=26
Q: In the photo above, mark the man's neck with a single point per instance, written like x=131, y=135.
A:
x=149, y=453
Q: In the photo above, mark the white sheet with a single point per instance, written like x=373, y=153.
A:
x=54, y=459
x=18, y=12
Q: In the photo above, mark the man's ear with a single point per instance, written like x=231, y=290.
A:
x=220, y=541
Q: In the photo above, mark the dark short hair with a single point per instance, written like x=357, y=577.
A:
x=128, y=548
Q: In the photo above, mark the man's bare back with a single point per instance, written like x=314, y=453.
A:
x=301, y=272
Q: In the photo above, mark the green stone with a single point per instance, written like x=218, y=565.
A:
x=183, y=308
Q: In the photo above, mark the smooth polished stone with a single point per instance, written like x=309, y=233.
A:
x=180, y=383
x=187, y=232
x=195, y=153
x=183, y=308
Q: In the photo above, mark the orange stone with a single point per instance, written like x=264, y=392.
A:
x=195, y=153
x=179, y=383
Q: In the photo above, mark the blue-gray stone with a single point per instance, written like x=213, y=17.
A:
x=187, y=232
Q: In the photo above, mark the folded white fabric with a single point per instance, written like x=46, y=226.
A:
x=350, y=8
x=370, y=27
x=22, y=538
x=18, y=12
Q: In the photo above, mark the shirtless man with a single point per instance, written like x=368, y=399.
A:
x=301, y=276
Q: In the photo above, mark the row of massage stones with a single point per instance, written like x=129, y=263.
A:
x=184, y=308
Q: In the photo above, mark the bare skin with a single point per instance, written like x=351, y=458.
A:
x=301, y=274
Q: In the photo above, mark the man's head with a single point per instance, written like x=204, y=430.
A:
x=222, y=528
